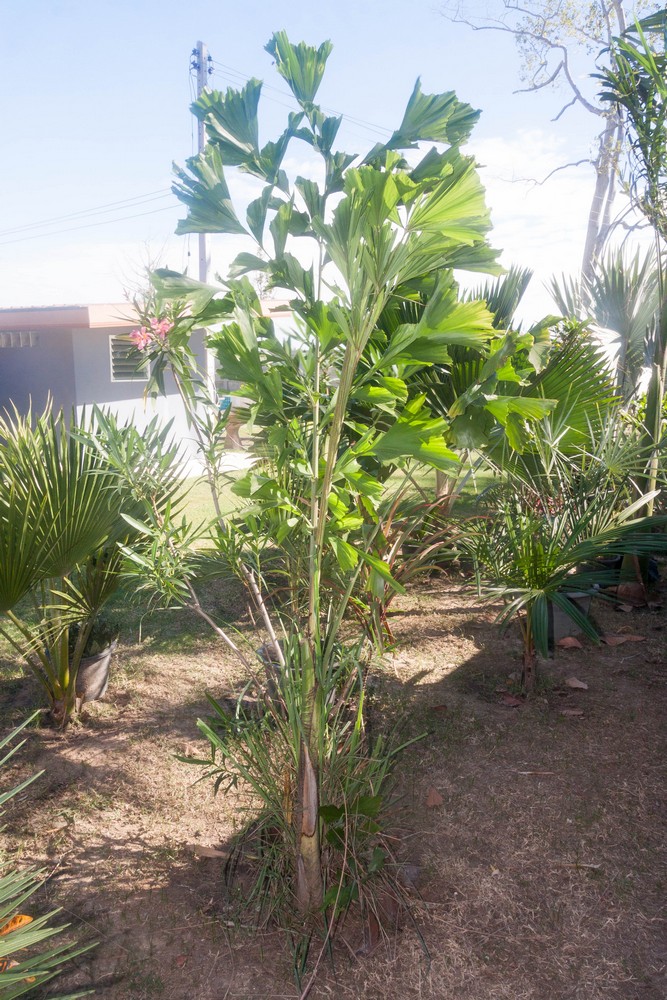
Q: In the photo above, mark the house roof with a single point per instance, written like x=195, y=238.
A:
x=92, y=317
x=107, y=316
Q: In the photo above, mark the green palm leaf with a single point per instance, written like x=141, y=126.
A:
x=621, y=296
x=578, y=376
x=503, y=295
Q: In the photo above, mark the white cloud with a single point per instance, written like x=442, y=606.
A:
x=541, y=226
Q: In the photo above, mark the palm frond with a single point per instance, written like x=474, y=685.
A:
x=503, y=295
x=578, y=376
x=621, y=299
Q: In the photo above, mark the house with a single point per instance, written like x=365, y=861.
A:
x=80, y=355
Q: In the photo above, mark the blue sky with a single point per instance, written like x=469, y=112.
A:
x=95, y=106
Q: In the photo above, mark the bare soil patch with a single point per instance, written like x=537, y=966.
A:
x=533, y=834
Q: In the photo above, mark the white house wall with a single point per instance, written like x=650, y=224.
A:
x=63, y=354
x=126, y=400
x=33, y=374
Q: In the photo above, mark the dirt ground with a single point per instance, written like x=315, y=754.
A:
x=532, y=834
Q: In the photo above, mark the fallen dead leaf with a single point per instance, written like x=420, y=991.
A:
x=626, y=608
x=572, y=712
x=569, y=642
x=510, y=700
x=180, y=960
x=576, y=684
x=207, y=852
x=632, y=593
x=618, y=640
x=20, y=920
x=433, y=798
x=57, y=829
x=372, y=935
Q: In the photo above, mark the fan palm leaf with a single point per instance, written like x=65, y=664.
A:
x=503, y=295
x=621, y=297
x=578, y=376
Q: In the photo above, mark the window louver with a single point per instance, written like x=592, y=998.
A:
x=125, y=361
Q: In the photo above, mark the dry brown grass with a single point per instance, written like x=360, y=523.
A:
x=540, y=877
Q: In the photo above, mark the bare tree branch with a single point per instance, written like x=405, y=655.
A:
x=564, y=109
x=576, y=29
x=548, y=33
x=545, y=83
x=575, y=89
x=540, y=38
x=556, y=170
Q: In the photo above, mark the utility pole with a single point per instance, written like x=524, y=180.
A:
x=201, y=61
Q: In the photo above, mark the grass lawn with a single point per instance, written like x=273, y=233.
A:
x=200, y=504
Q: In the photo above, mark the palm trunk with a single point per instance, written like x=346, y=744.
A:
x=529, y=671
x=441, y=484
x=529, y=668
x=309, y=887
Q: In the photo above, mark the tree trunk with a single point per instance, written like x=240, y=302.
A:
x=599, y=216
x=529, y=671
x=308, y=863
x=62, y=712
x=309, y=888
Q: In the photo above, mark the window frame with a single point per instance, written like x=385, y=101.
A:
x=142, y=375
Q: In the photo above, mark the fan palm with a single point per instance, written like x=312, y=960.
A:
x=61, y=508
x=621, y=297
x=544, y=537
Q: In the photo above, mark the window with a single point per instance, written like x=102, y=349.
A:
x=19, y=338
x=125, y=360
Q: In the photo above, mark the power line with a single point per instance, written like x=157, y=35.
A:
x=358, y=131
x=230, y=75
x=89, y=225
x=284, y=93
x=112, y=206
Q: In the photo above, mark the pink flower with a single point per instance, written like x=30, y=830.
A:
x=141, y=338
x=161, y=327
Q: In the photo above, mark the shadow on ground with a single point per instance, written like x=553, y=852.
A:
x=538, y=864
